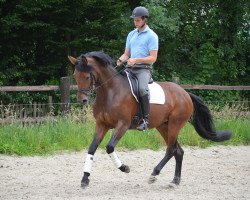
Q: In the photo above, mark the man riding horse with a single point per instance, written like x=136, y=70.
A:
x=140, y=53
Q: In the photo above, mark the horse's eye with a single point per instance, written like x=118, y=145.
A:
x=88, y=77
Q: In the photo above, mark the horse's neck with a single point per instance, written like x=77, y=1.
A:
x=112, y=84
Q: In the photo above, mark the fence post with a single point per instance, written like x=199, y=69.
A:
x=34, y=110
x=176, y=79
x=50, y=102
x=65, y=94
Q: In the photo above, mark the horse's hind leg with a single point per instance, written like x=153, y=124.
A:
x=168, y=155
x=163, y=129
x=169, y=133
x=175, y=151
x=178, y=154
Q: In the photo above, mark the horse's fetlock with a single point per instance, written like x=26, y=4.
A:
x=110, y=149
x=86, y=175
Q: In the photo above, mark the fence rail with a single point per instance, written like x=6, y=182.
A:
x=39, y=88
x=43, y=88
x=215, y=87
x=40, y=110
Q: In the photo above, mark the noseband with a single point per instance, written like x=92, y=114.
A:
x=92, y=86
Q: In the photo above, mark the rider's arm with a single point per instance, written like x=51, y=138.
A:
x=124, y=57
x=147, y=60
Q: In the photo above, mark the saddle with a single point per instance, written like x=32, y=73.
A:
x=156, y=94
x=134, y=84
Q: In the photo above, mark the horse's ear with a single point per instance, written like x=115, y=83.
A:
x=72, y=60
x=84, y=60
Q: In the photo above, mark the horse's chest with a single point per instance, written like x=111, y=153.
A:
x=102, y=114
x=106, y=118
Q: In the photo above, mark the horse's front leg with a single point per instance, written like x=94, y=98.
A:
x=110, y=148
x=100, y=132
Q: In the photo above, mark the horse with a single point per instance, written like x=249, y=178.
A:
x=115, y=106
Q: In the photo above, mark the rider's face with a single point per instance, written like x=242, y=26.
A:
x=139, y=22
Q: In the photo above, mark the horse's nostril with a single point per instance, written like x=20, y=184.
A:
x=84, y=101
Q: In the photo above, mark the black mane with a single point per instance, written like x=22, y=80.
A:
x=100, y=57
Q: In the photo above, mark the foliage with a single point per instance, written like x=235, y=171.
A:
x=37, y=36
x=210, y=38
x=202, y=42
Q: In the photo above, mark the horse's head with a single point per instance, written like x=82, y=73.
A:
x=91, y=69
x=83, y=74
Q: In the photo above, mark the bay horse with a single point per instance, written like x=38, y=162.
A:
x=115, y=106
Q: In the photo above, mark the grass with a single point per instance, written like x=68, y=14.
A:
x=66, y=134
x=44, y=138
x=69, y=133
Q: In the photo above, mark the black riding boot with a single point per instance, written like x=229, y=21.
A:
x=144, y=101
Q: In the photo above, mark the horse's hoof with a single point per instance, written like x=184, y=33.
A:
x=127, y=169
x=176, y=180
x=152, y=179
x=124, y=168
x=84, y=183
x=171, y=185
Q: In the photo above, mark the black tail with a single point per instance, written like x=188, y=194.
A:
x=203, y=122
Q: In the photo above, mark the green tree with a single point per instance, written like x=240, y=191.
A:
x=205, y=37
x=202, y=42
x=37, y=36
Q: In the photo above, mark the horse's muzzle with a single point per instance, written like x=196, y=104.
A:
x=82, y=98
x=82, y=101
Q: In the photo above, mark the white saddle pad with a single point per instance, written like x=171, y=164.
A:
x=157, y=95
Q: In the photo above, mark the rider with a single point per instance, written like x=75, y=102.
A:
x=140, y=53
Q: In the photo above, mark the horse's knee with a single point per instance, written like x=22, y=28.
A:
x=109, y=149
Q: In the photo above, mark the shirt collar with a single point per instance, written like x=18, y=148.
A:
x=145, y=30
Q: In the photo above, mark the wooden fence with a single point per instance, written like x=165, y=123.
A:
x=65, y=86
x=39, y=110
x=34, y=112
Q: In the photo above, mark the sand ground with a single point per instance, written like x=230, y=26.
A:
x=213, y=173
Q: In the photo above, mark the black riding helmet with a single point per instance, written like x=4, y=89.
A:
x=140, y=12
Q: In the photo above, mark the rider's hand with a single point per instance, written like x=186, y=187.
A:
x=131, y=62
x=119, y=62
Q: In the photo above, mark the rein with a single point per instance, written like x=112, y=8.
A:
x=94, y=84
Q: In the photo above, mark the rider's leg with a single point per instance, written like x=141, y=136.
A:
x=144, y=101
x=143, y=76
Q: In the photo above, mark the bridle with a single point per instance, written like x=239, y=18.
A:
x=92, y=85
x=95, y=84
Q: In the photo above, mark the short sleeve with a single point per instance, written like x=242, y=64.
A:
x=153, y=42
x=128, y=45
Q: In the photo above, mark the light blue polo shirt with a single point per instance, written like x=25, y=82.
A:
x=141, y=43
